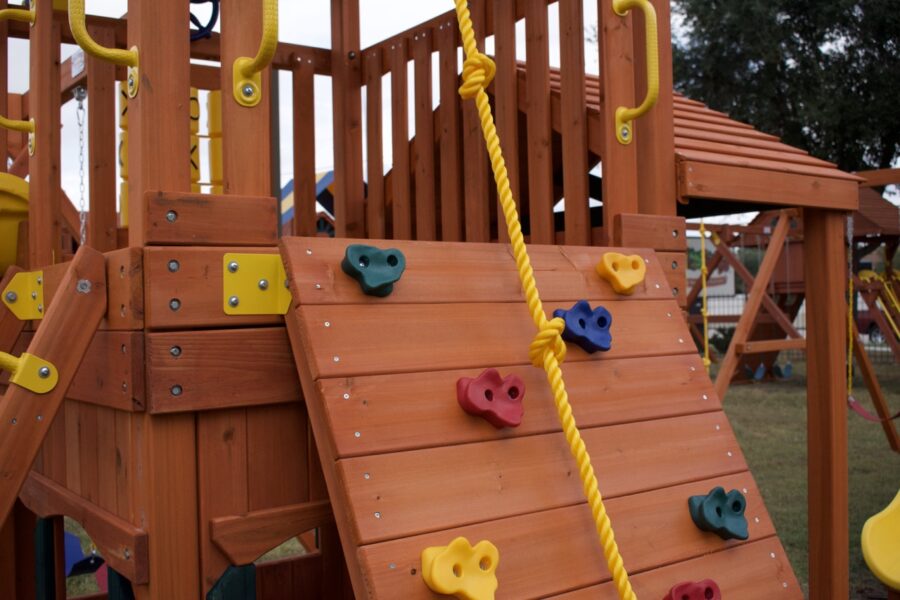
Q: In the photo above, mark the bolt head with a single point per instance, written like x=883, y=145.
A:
x=11, y=297
x=174, y=265
x=233, y=267
x=44, y=372
x=34, y=295
x=174, y=304
x=625, y=133
x=263, y=284
x=234, y=301
x=83, y=286
x=176, y=390
x=40, y=308
x=247, y=90
x=171, y=216
x=175, y=351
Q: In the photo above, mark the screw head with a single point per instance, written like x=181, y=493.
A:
x=11, y=297
x=233, y=266
x=83, y=286
x=176, y=390
x=131, y=81
x=626, y=132
x=171, y=216
x=34, y=295
x=174, y=265
x=247, y=90
x=174, y=304
x=263, y=284
x=44, y=372
x=175, y=351
x=234, y=301
x=40, y=308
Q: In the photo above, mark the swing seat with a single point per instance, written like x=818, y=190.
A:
x=881, y=544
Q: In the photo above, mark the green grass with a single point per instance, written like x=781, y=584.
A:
x=770, y=422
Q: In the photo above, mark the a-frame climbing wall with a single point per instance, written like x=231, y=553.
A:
x=407, y=468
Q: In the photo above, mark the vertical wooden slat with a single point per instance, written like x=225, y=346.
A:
x=826, y=355
x=347, y=82
x=539, y=125
x=101, y=89
x=400, y=172
x=451, y=174
x=44, y=106
x=426, y=217
x=475, y=164
x=655, y=137
x=274, y=432
x=375, y=206
x=304, y=147
x=506, y=101
x=619, y=161
x=573, y=119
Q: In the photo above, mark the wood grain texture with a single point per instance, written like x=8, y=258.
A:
x=304, y=115
x=674, y=265
x=209, y=220
x=375, y=191
x=426, y=206
x=506, y=102
x=476, y=171
x=401, y=172
x=452, y=226
x=101, y=89
x=650, y=231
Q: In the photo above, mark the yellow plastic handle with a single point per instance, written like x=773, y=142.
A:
x=246, y=72
x=624, y=115
x=117, y=56
x=23, y=127
x=18, y=14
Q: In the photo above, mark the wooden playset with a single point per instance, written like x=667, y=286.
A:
x=195, y=386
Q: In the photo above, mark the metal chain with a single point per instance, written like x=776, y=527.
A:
x=80, y=94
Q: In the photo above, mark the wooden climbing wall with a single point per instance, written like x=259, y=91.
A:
x=406, y=468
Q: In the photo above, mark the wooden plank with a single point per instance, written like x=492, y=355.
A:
x=101, y=89
x=274, y=433
x=448, y=114
x=219, y=369
x=375, y=200
x=401, y=171
x=472, y=335
x=125, y=289
x=475, y=273
x=124, y=546
x=759, y=570
x=762, y=164
x=44, y=165
x=61, y=340
x=675, y=267
x=245, y=130
x=403, y=494
x=652, y=528
x=107, y=496
x=574, y=123
x=650, y=231
x=476, y=172
x=725, y=182
x=875, y=391
x=304, y=112
x=506, y=102
x=879, y=177
x=179, y=218
x=426, y=209
x=347, y=93
x=243, y=538
x=761, y=347
x=196, y=285
x=392, y=413
x=749, y=151
x=826, y=328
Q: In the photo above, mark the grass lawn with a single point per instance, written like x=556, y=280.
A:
x=770, y=422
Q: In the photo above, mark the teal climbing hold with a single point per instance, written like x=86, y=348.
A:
x=720, y=513
x=375, y=270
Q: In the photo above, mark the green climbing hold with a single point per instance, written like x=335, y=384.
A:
x=720, y=513
x=375, y=269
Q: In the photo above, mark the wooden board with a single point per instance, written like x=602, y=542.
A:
x=406, y=468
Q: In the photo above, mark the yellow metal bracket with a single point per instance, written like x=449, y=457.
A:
x=254, y=284
x=24, y=296
x=30, y=372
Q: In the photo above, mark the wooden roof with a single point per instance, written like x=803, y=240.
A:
x=876, y=216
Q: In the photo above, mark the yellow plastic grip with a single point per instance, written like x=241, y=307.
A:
x=17, y=14
x=22, y=126
x=117, y=56
x=624, y=115
x=246, y=71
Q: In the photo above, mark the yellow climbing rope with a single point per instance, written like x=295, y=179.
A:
x=548, y=348
x=703, y=275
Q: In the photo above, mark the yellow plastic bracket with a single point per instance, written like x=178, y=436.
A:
x=880, y=537
x=30, y=372
x=462, y=570
x=117, y=56
x=246, y=72
x=623, y=273
x=625, y=116
x=24, y=296
x=254, y=284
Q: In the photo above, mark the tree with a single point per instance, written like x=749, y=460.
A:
x=824, y=75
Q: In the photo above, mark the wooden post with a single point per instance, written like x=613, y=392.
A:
x=44, y=106
x=347, y=85
x=101, y=122
x=826, y=323
x=304, y=148
x=539, y=126
x=655, y=131
x=617, y=89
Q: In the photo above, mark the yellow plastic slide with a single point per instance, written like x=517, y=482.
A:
x=881, y=544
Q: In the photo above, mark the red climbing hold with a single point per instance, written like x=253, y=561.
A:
x=497, y=399
x=700, y=590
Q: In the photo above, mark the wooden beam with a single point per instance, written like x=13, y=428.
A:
x=879, y=177
x=101, y=123
x=189, y=219
x=826, y=355
x=875, y=391
x=763, y=346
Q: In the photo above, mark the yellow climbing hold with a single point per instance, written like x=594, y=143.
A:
x=881, y=544
x=462, y=570
x=623, y=272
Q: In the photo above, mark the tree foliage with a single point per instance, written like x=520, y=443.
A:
x=824, y=75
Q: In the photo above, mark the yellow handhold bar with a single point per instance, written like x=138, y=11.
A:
x=117, y=56
x=18, y=14
x=246, y=77
x=625, y=116
x=23, y=127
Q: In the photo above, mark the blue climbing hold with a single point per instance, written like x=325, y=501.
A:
x=720, y=513
x=586, y=327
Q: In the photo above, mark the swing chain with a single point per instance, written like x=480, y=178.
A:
x=850, y=298
x=80, y=94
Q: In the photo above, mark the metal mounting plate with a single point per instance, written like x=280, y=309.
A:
x=254, y=284
x=24, y=296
